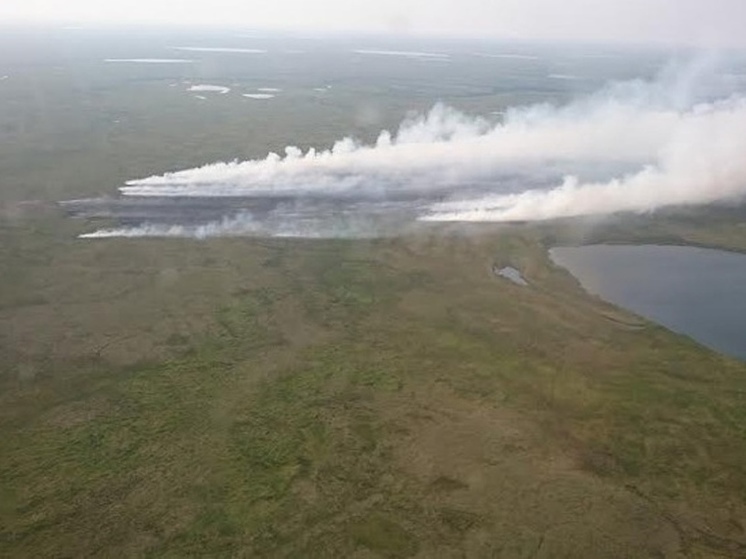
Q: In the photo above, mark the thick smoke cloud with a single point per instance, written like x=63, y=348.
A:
x=699, y=160
x=634, y=146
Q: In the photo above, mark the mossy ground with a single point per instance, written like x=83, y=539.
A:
x=277, y=398
x=331, y=398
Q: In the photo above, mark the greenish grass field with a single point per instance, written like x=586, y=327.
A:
x=341, y=398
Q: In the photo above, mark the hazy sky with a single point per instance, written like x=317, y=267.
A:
x=701, y=22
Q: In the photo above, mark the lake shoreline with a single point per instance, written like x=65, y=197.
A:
x=690, y=290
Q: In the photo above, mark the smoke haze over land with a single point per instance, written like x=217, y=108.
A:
x=631, y=147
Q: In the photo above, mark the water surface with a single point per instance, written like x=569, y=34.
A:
x=694, y=291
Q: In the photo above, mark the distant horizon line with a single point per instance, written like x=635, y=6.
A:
x=347, y=33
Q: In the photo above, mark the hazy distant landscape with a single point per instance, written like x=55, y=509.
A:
x=315, y=372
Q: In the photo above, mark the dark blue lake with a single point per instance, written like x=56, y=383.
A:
x=694, y=291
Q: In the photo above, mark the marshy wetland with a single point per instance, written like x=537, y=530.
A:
x=384, y=396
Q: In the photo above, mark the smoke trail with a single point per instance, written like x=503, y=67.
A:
x=297, y=218
x=633, y=146
x=444, y=151
x=702, y=161
x=241, y=224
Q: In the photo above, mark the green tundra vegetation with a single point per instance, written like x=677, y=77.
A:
x=245, y=397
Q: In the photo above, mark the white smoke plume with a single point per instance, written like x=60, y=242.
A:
x=239, y=225
x=444, y=151
x=634, y=146
x=700, y=160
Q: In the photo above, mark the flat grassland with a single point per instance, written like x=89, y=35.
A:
x=337, y=398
